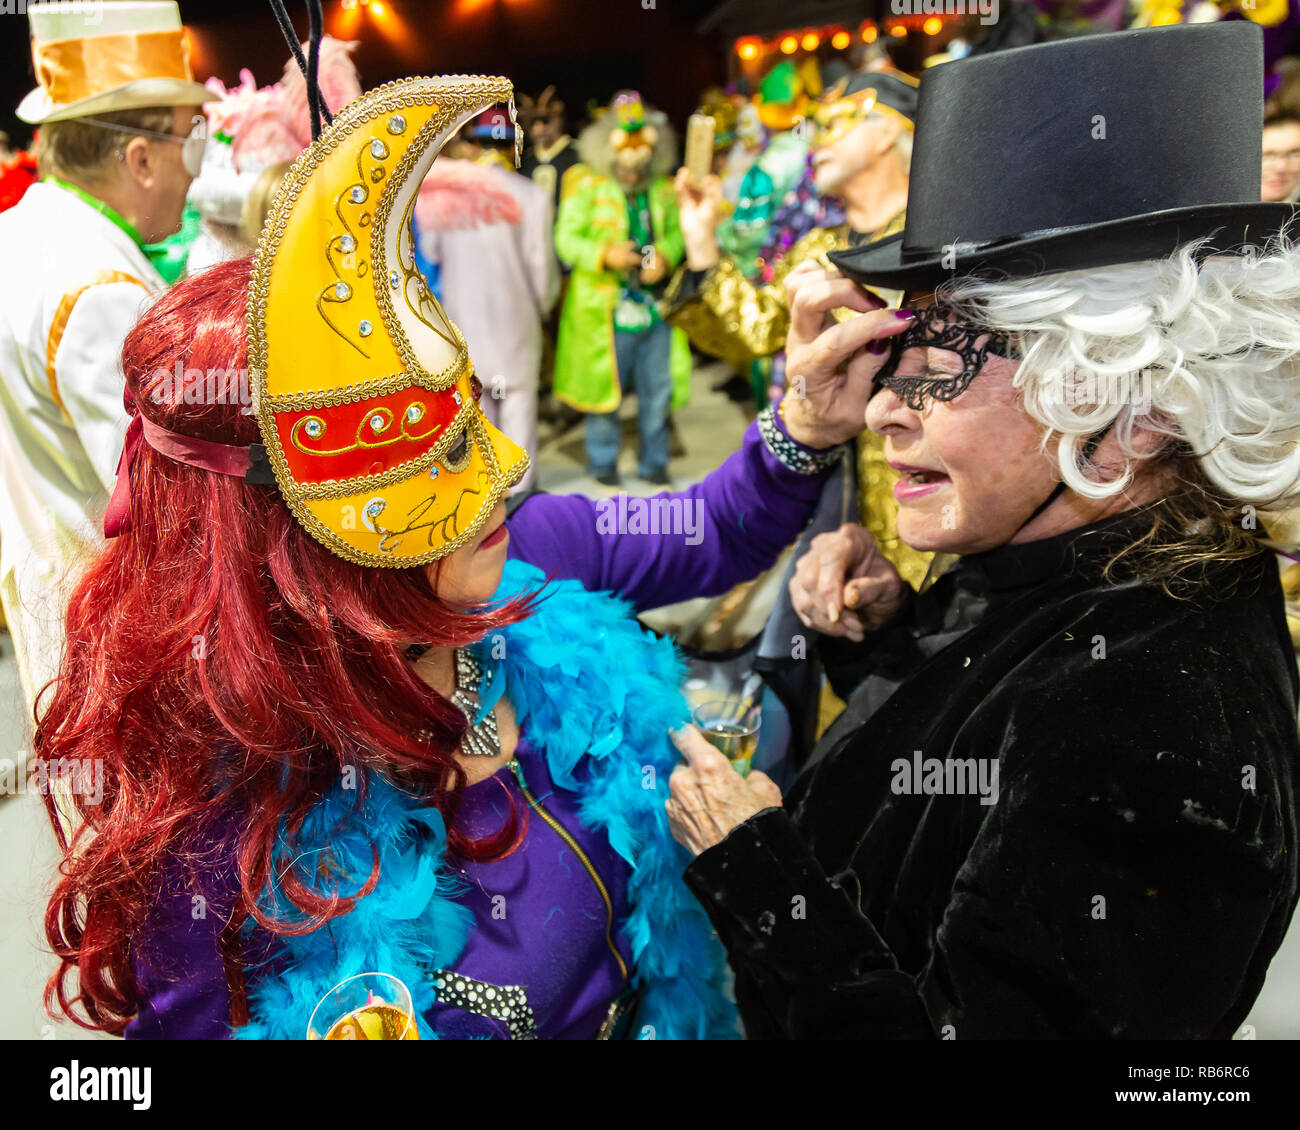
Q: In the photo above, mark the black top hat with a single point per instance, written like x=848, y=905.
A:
x=1082, y=153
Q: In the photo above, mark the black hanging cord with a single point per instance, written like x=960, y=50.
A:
x=291, y=36
x=309, y=64
x=316, y=25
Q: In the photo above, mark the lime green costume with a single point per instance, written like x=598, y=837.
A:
x=594, y=214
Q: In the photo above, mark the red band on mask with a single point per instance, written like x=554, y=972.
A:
x=221, y=458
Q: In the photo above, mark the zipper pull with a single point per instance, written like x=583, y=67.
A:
x=518, y=770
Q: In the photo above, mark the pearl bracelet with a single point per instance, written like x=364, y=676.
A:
x=793, y=455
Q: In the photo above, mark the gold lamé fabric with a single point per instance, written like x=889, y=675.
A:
x=1284, y=527
x=738, y=320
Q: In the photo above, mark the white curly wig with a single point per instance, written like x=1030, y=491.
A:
x=1205, y=351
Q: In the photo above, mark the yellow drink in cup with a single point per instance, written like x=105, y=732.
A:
x=369, y=1006
x=731, y=727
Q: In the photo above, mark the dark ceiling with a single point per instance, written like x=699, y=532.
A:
x=589, y=48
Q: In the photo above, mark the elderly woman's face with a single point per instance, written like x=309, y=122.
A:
x=972, y=468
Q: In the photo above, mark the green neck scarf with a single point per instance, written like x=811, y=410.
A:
x=166, y=257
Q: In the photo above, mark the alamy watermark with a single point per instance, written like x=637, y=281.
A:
x=951, y=776
x=631, y=514
x=987, y=10
x=1083, y=388
x=92, y=1083
x=179, y=385
x=82, y=777
x=91, y=10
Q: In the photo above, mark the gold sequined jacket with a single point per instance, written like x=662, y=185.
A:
x=731, y=317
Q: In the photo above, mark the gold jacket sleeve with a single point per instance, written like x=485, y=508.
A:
x=731, y=317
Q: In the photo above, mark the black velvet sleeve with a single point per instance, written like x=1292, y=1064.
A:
x=819, y=966
x=1133, y=879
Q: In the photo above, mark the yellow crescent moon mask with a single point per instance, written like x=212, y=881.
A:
x=362, y=386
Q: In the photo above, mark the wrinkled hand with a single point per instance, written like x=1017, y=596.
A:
x=709, y=798
x=830, y=365
x=844, y=586
x=699, y=208
x=657, y=268
x=621, y=256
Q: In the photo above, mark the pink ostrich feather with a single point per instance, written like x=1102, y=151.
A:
x=336, y=77
x=457, y=195
x=274, y=124
x=227, y=113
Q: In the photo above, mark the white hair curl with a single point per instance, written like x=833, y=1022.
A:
x=1206, y=349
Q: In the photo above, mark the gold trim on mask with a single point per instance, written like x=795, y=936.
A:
x=416, y=114
x=488, y=484
x=365, y=390
x=334, y=488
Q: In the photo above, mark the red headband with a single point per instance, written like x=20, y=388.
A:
x=248, y=463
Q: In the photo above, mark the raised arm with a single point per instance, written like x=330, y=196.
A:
x=732, y=525
x=724, y=313
x=577, y=242
x=698, y=542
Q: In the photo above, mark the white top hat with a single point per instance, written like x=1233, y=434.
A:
x=93, y=57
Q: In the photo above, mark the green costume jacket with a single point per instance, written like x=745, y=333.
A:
x=593, y=214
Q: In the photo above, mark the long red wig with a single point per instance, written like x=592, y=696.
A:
x=217, y=625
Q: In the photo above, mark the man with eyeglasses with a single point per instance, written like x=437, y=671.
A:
x=1281, y=169
x=121, y=136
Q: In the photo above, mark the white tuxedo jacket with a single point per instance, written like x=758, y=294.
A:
x=73, y=285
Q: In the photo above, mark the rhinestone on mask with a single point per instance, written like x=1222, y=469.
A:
x=364, y=328
x=357, y=194
x=376, y=423
x=347, y=243
x=396, y=124
x=342, y=291
x=313, y=428
x=378, y=150
x=414, y=412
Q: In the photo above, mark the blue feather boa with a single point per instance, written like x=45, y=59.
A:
x=587, y=683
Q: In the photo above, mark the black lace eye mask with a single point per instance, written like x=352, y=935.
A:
x=939, y=327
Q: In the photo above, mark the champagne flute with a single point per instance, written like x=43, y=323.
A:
x=369, y=1006
x=731, y=726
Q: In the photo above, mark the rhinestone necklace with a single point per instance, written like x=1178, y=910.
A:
x=481, y=740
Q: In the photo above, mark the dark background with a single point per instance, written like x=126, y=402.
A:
x=588, y=48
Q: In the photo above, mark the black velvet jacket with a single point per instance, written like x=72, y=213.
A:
x=1138, y=869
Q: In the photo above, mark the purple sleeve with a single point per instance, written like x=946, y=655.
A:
x=725, y=529
x=181, y=976
x=177, y=954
